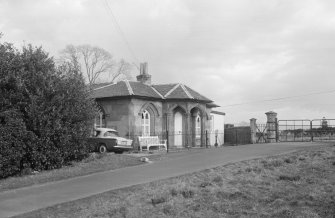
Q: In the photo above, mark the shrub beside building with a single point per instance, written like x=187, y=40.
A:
x=45, y=112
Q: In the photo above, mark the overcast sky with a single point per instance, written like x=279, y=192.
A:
x=233, y=52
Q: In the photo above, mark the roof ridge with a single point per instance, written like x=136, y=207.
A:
x=130, y=89
x=171, y=90
x=153, y=88
x=186, y=91
x=165, y=84
x=104, y=86
x=197, y=93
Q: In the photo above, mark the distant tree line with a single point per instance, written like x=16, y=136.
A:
x=45, y=111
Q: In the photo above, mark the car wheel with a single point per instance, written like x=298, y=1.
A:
x=102, y=149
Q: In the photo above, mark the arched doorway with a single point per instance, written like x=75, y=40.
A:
x=197, y=130
x=178, y=129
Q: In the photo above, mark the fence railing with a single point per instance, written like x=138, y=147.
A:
x=176, y=140
x=306, y=130
x=285, y=131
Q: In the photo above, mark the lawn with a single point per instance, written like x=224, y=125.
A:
x=300, y=184
x=95, y=163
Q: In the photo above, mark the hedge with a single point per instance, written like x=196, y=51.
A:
x=45, y=112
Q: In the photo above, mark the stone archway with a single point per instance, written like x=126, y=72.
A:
x=148, y=115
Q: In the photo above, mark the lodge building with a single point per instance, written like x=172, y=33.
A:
x=139, y=108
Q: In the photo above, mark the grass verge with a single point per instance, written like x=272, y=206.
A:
x=300, y=184
x=95, y=163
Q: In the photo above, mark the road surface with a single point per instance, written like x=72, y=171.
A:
x=27, y=199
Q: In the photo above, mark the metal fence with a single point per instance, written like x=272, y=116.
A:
x=306, y=130
x=294, y=130
x=322, y=130
x=286, y=131
x=178, y=140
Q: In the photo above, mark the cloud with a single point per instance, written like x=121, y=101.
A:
x=230, y=51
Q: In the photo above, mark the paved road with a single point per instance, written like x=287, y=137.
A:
x=31, y=198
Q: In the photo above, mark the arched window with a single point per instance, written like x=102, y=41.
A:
x=197, y=126
x=99, y=120
x=145, y=123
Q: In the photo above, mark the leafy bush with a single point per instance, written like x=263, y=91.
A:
x=45, y=112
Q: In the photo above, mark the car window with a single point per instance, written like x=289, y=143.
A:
x=97, y=133
x=110, y=134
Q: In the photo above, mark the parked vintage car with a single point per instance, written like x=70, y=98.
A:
x=106, y=139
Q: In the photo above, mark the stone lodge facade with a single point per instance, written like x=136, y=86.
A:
x=139, y=108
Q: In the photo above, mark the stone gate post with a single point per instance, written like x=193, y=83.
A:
x=271, y=126
x=253, y=131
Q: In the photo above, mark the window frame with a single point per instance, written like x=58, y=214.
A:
x=145, y=123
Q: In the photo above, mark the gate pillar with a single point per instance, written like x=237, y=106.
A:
x=253, y=131
x=271, y=126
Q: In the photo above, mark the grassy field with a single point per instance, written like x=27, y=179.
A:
x=300, y=184
x=95, y=163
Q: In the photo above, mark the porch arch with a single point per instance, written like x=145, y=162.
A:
x=179, y=124
x=173, y=107
x=149, y=106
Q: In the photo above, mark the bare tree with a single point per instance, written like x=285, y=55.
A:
x=122, y=71
x=71, y=57
x=95, y=61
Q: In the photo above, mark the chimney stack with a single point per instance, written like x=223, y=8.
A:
x=144, y=68
x=144, y=77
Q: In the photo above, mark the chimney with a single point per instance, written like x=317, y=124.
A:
x=144, y=77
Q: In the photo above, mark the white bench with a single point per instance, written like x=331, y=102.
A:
x=151, y=141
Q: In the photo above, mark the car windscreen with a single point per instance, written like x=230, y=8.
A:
x=110, y=134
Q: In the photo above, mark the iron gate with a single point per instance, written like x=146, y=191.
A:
x=261, y=133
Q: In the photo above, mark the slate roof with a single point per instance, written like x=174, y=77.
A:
x=164, y=88
x=112, y=90
x=163, y=91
